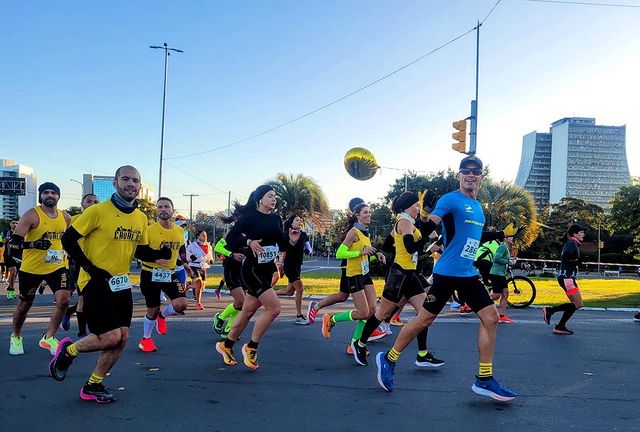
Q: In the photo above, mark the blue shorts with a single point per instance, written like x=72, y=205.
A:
x=181, y=274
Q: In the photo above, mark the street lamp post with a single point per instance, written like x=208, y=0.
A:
x=81, y=186
x=164, y=106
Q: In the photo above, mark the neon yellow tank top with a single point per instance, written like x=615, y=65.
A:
x=41, y=262
x=359, y=265
x=403, y=258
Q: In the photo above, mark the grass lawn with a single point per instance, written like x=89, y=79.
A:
x=595, y=292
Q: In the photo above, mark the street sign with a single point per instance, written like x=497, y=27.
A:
x=13, y=186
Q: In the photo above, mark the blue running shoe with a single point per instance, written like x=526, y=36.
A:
x=65, y=324
x=492, y=389
x=386, y=370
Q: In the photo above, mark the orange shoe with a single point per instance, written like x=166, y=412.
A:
x=227, y=354
x=464, y=309
x=199, y=306
x=250, y=356
x=161, y=325
x=376, y=335
x=396, y=321
x=505, y=319
x=147, y=345
x=327, y=326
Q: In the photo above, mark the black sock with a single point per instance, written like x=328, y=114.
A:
x=82, y=323
x=72, y=309
x=252, y=344
x=422, y=339
x=369, y=327
x=229, y=343
x=569, y=309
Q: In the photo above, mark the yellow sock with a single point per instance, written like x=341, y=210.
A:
x=393, y=354
x=485, y=370
x=95, y=378
x=72, y=350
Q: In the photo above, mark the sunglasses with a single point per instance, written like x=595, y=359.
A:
x=467, y=171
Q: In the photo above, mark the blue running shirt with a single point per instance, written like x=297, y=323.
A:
x=462, y=222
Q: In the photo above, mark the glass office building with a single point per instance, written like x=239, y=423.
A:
x=102, y=187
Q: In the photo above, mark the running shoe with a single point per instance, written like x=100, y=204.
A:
x=377, y=335
x=505, y=319
x=15, y=345
x=60, y=362
x=11, y=294
x=250, y=356
x=41, y=288
x=65, y=324
x=429, y=360
x=227, y=354
x=454, y=305
x=327, y=326
x=302, y=321
x=161, y=325
x=636, y=317
x=312, y=311
x=147, y=345
x=359, y=353
x=199, y=306
x=492, y=389
x=562, y=330
x=396, y=321
x=385, y=327
x=546, y=315
x=386, y=369
x=163, y=298
x=97, y=393
x=218, y=323
x=464, y=309
x=50, y=344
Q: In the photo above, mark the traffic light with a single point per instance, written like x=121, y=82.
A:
x=460, y=136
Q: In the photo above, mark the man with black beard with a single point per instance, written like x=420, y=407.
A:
x=37, y=241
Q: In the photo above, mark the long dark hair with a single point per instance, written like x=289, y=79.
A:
x=238, y=210
x=352, y=218
x=289, y=221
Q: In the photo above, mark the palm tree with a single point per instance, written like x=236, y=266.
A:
x=301, y=195
x=505, y=203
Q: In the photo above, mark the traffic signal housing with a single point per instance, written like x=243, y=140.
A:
x=460, y=136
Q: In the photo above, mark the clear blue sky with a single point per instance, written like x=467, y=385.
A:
x=81, y=91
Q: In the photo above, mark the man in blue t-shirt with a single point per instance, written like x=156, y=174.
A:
x=463, y=220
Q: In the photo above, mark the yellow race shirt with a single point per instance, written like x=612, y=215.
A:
x=41, y=262
x=159, y=237
x=110, y=237
x=403, y=258
x=359, y=265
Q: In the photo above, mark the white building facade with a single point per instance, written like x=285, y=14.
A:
x=15, y=205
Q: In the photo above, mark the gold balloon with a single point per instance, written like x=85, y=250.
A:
x=360, y=163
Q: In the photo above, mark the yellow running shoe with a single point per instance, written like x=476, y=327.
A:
x=227, y=354
x=250, y=356
x=15, y=345
x=50, y=344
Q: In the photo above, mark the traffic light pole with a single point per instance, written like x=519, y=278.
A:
x=474, y=103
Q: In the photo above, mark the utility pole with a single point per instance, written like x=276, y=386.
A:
x=164, y=106
x=229, y=204
x=190, y=209
x=474, y=103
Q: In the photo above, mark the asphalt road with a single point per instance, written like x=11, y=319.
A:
x=586, y=382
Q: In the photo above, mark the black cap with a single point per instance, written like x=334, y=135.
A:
x=261, y=191
x=470, y=162
x=574, y=229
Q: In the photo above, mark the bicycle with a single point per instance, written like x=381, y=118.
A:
x=522, y=290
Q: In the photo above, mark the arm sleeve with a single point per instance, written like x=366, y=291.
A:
x=411, y=245
x=502, y=256
x=236, y=239
x=221, y=249
x=145, y=253
x=343, y=252
x=70, y=244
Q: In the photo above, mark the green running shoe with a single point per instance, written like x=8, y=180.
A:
x=15, y=345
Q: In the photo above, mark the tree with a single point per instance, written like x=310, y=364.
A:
x=504, y=203
x=209, y=223
x=439, y=183
x=301, y=195
x=625, y=215
x=74, y=210
x=148, y=208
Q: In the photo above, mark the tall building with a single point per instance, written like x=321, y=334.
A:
x=15, y=205
x=102, y=187
x=576, y=159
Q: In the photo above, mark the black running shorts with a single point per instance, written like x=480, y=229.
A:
x=401, y=283
x=471, y=291
x=498, y=283
x=104, y=309
x=344, y=285
x=358, y=282
x=292, y=271
x=29, y=283
x=199, y=273
x=232, y=276
x=256, y=278
x=151, y=290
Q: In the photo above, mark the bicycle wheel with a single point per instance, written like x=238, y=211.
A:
x=522, y=292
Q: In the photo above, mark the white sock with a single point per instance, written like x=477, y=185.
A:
x=168, y=311
x=149, y=325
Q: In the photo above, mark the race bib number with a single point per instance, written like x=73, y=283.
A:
x=54, y=256
x=364, y=265
x=119, y=283
x=414, y=258
x=160, y=275
x=470, y=248
x=269, y=253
